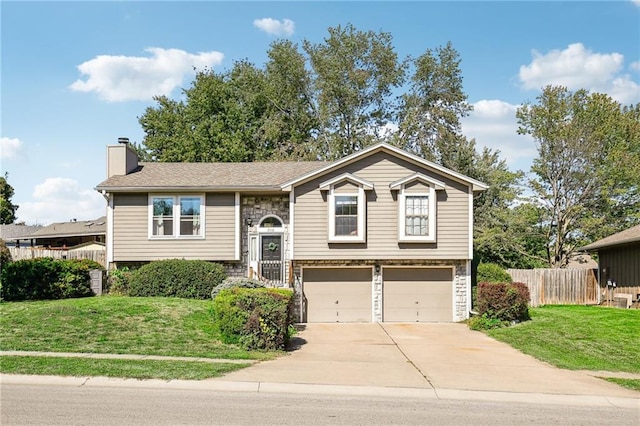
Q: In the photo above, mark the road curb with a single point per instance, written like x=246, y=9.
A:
x=322, y=389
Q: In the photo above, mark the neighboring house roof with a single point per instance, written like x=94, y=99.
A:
x=477, y=185
x=208, y=176
x=73, y=229
x=13, y=231
x=89, y=245
x=627, y=236
x=582, y=261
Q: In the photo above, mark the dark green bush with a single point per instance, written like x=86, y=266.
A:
x=190, y=279
x=46, y=278
x=503, y=301
x=492, y=273
x=118, y=281
x=254, y=318
x=232, y=282
x=5, y=255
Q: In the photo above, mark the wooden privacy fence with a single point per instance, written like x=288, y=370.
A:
x=559, y=286
x=19, y=253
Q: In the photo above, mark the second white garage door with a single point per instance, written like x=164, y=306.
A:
x=337, y=294
x=417, y=294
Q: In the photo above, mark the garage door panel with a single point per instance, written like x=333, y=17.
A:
x=418, y=274
x=417, y=294
x=337, y=294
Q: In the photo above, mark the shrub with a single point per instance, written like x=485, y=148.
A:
x=503, y=301
x=232, y=282
x=492, y=273
x=45, y=278
x=118, y=281
x=254, y=318
x=483, y=322
x=190, y=279
x=73, y=278
x=5, y=254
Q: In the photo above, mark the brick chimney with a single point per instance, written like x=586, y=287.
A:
x=121, y=158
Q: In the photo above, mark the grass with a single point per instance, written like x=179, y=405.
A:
x=136, y=369
x=119, y=325
x=579, y=337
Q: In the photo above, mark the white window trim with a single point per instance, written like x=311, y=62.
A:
x=176, y=217
x=402, y=217
x=361, y=237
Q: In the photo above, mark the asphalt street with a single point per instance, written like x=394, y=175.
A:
x=80, y=405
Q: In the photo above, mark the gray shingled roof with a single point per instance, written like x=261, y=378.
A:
x=72, y=229
x=627, y=236
x=256, y=175
x=17, y=232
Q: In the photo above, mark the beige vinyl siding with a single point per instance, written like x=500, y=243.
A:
x=131, y=238
x=381, y=169
x=345, y=188
x=416, y=188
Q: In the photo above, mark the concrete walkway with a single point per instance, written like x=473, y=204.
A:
x=446, y=361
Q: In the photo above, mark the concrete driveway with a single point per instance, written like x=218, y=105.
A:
x=420, y=356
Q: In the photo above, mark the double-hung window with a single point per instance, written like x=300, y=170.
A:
x=347, y=208
x=176, y=216
x=417, y=208
x=346, y=215
x=416, y=215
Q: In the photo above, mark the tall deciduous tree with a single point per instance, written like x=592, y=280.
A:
x=585, y=172
x=429, y=113
x=291, y=119
x=354, y=75
x=7, y=208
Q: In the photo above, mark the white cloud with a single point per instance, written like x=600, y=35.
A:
x=577, y=67
x=275, y=27
x=10, y=147
x=60, y=199
x=636, y=2
x=635, y=66
x=126, y=78
x=493, y=124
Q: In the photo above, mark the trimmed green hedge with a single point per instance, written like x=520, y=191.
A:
x=47, y=278
x=254, y=318
x=232, y=282
x=189, y=279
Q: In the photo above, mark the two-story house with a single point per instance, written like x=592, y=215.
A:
x=379, y=235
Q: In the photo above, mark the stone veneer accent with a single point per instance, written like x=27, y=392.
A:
x=461, y=282
x=255, y=208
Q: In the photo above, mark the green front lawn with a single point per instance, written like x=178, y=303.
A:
x=120, y=325
x=134, y=369
x=579, y=337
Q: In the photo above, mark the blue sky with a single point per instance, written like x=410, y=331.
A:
x=77, y=75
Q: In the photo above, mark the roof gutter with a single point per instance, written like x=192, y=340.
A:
x=222, y=188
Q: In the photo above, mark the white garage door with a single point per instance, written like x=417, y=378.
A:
x=417, y=294
x=337, y=294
